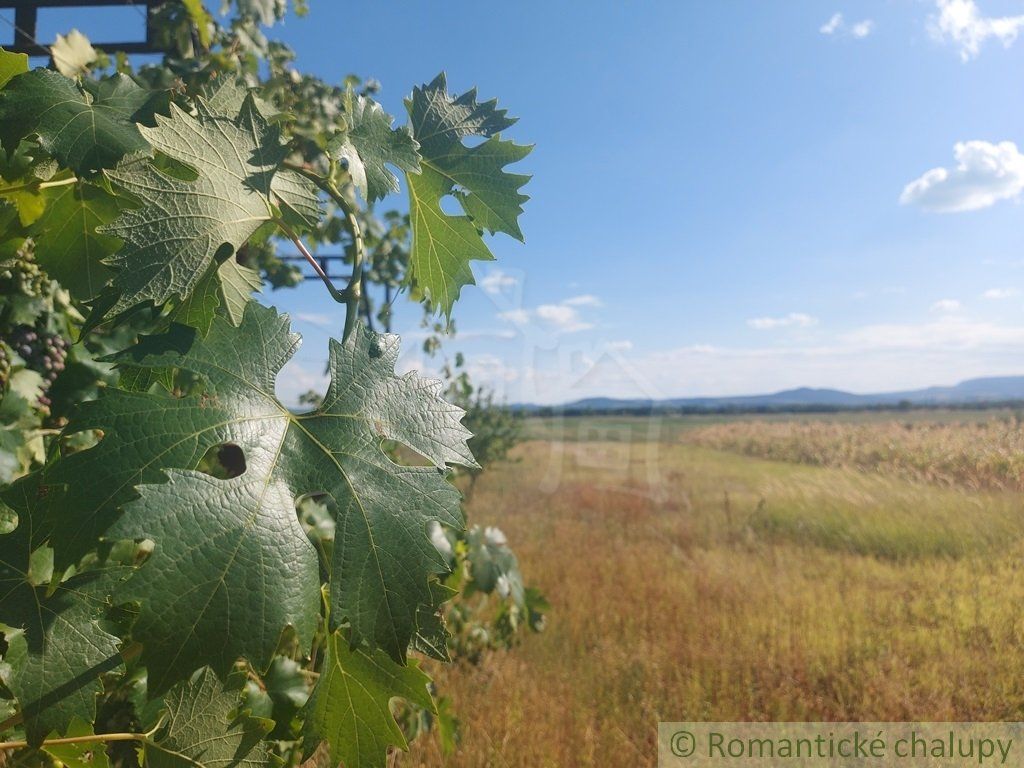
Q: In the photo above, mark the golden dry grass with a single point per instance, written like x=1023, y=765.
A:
x=987, y=454
x=688, y=583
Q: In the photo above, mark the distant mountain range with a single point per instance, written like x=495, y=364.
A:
x=971, y=392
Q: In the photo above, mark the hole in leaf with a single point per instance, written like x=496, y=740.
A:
x=223, y=461
x=174, y=168
x=302, y=384
x=315, y=515
x=402, y=454
x=451, y=206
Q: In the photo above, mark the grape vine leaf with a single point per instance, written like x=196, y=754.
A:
x=265, y=11
x=57, y=646
x=68, y=246
x=205, y=730
x=298, y=198
x=443, y=244
x=197, y=310
x=431, y=638
x=369, y=144
x=350, y=705
x=237, y=285
x=85, y=127
x=85, y=754
x=11, y=64
x=230, y=570
x=202, y=21
x=382, y=557
x=228, y=285
x=173, y=237
x=493, y=566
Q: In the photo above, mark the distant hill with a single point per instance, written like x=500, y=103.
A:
x=971, y=392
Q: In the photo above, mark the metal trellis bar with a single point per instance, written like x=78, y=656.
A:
x=324, y=261
x=26, y=13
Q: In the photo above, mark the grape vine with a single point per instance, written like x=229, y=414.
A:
x=191, y=573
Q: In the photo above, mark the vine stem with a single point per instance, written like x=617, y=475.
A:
x=354, y=291
x=38, y=185
x=339, y=296
x=92, y=737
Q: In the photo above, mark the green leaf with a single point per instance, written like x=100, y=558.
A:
x=199, y=308
x=11, y=64
x=226, y=96
x=205, y=730
x=493, y=566
x=83, y=754
x=431, y=638
x=201, y=20
x=230, y=570
x=237, y=284
x=350, y=706
x=369, y=144
x=264, y=11
x=86, y=129
x=286, y=691
x=242, y=535
x=228, y=286
x=57, y=646
x=68, y=246
x=438, y=120
x=172, y=238
x=298, y=198
x=443, y=245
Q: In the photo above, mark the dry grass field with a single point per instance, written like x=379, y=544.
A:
x=985, y=454
x=688, y=582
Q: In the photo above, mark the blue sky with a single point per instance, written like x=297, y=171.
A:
x=727, y=197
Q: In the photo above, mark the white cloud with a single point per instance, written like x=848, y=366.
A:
x=876, y=358
x=490, y=368
x=836, y=23
x=941, y=349
x=792, y=320
x=620, y=346
x=313, y=318
x=586, y=300
x=562, y=318
x=497, y=281
x=995, y=294
x=862, y=29
x=960, y=22
x=985, y=173
x=516, y=316
x=832, y=26
x=946, y=333
x=298, y=377
x=947, y=305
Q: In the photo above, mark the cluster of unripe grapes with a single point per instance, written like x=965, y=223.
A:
x=43, y=352
x=23, y=275
x=40, y=351
x=5, y=367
